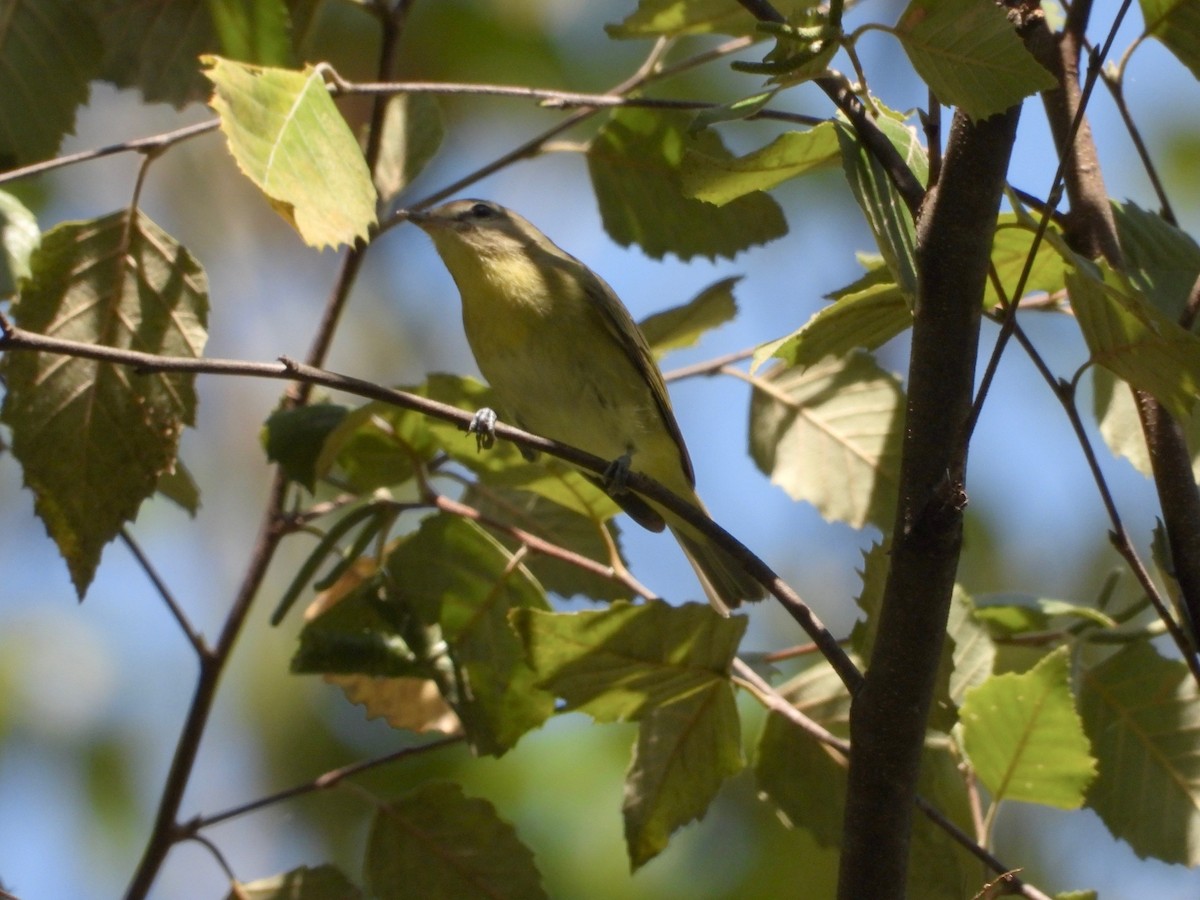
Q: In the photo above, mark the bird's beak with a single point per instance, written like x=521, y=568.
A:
x=424, y=219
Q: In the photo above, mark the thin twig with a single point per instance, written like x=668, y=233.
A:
x=1065, y=392
x=212, y=848
x=714, y=366
x=1117, y=89
x=323, y=782
x=542, y=546
x=776, y=702
x=1056, y=189
x=838, y=89
x=646, y=74
x=165, y=832
x=194, y=638
x=1120, y=537
x=152, y=143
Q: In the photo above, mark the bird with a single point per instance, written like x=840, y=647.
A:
x=566, y=360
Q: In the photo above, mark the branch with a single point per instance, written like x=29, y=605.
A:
x=148, y=145
x=166, y=832
x=547, y=97
x=544, y=547
x=288, y=370
x=272, y=529
x=776, y=702
x=888, y=716
x=194, y=638
x=838, y=90
x=1093, y=233
x=321, y=783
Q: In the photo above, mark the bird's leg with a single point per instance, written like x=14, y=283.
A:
x=483, y=426
x=612, y=482
x=617, y=474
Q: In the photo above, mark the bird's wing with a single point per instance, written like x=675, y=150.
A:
x=629, y=337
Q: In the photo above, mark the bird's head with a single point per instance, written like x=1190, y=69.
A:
x=479, y=227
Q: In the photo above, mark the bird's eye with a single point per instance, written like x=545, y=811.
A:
x=482, y=211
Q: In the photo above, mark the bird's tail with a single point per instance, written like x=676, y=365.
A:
x=725, y=582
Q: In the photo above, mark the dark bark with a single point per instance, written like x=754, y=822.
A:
x=1092, y=232
x=887, y=720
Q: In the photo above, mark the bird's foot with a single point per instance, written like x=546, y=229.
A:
x=483, y=426
x=617, y=474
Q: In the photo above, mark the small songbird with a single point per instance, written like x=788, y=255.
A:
x=567, y=361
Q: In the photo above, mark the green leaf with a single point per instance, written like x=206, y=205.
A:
x=156, y=46
x=1143, y=716
x=294, y=438
x=51, y=52
x=378, y=444
x=1010, y=248
x=108, y=775
x=253, y=31
x=886, y=214
x=723, y=178
x=970, y=55
x=1012, y=614
x=1117, y=415
x=940, y=868
x=635, y=164
x=655, y=18
x=733, y=111
x=178, y=486
x=684, y=325
x=974, y=654
x=1024, y=738
x=1009, y=617
x=527, y=506
x=1133, y=339
x=94, y=438
x=685, y=751
x=623, y=662
x=865, y=319
x=455, y=575
x=367, y=632
x=804, y=46
x=369, y=448
x=558, y=482
x=290, y=140
x=874, y=571
x=1075, y=611
x=1160, y=261
x=831, y=435
x=318, y=883
x=19, y=237
x=436, y=842
x=667, y=667
x=438, y=609
x=412, y=133
x=804, y=779
x=1177, y=24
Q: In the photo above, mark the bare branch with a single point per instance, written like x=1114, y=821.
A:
x=194, y=638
